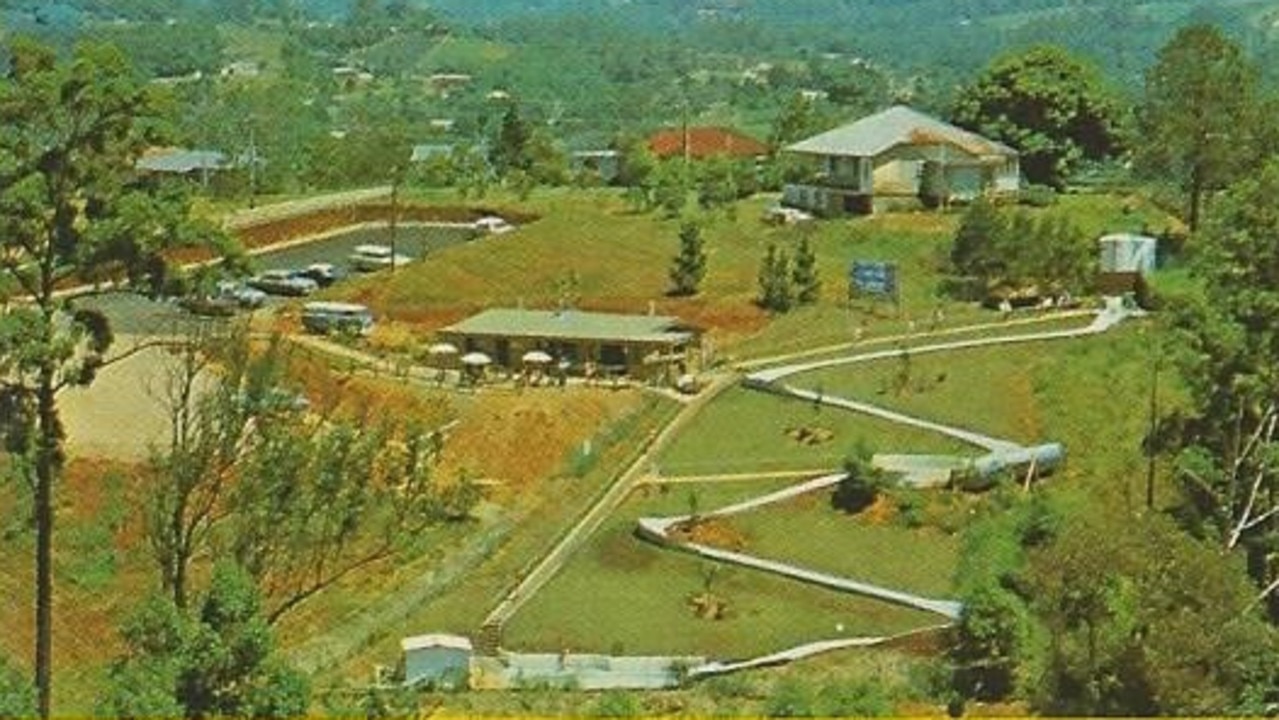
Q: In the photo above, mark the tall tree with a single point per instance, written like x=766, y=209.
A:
x=1198, y=116
x=1050, y=105
x=804, y=278
x=775, y=292
x=510, y=149
x=68, y=205
x=688, y=267
x=1227, y=342
x=1125, y=602
x=298, y=502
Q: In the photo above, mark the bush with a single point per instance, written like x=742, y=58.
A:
x=911, y=505
x=791, y=698
x=859, y=698
x=1037, y=196
x=616, y=703
x=861, y=487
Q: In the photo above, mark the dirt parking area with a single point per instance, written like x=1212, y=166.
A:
x=123, y=413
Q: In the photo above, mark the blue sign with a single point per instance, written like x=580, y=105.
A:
x=873, y=278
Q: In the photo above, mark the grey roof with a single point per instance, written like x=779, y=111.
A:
x=182, y=161
x=898, y=125
x=573, y=325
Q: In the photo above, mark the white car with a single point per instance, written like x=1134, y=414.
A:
x=375, y=257
x=782, y=215
x=493, y=225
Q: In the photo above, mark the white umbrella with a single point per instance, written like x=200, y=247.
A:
x=442, y=349
x=476, y=358
x=537, y=357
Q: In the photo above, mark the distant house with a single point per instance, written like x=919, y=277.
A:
x=197, y=164
x=700, y=143
x=652, y=348
x=349, y=77
x=605, y=164
x=444, y=82
x=884, y=160
x=241, y=68
x=437, y=659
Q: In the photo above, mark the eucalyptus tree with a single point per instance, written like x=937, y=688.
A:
x=70, y=207
x=1199, y=115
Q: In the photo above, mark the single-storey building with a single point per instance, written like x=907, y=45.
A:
x=700, y=143
x=437, y=659
x=888, y=159
x=651, y=348
x=180, y=161
x=196, y=164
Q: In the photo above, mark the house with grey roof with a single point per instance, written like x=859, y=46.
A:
x=196, y=164
x=890, y=159
x=651, y=348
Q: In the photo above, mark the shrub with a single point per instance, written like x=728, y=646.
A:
x=616, y=703
x=859, y=698
x=859, y=489
x=791, y=698
x=1037, y=196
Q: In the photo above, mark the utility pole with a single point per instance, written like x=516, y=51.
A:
x=1151, y=450
x=253, y=167
x=395, y=196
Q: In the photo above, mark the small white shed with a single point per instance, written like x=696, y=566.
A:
x=437, y=658
x=1128, y=253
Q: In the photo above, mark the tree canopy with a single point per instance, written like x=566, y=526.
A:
x=1053, y=107
x=1199, y=115
x=71, y=209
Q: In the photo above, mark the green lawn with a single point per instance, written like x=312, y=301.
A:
x=1089, y=394
x=989, y=390
x=620, y=594
x=808, y=532
x=744, y=430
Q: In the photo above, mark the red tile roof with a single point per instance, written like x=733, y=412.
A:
x=704, y=142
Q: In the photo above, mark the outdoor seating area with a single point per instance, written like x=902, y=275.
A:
x=540, y=347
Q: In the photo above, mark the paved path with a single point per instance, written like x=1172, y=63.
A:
x=658, y=529
x=605, y=506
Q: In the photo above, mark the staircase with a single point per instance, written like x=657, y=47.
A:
x=488, y=641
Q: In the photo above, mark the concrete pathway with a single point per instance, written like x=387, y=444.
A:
x=605, y=506
x=926, y=469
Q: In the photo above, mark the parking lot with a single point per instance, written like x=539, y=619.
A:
x=123, y=412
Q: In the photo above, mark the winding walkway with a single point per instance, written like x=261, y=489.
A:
x=1000, y=453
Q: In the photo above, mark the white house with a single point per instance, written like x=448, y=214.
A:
x=882, y=161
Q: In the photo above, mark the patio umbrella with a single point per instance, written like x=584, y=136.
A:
x=536, y=357
x=476, y=359
x=442, y=349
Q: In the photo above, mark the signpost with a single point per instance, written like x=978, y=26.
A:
x=874, y=279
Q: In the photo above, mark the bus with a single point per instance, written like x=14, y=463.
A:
x=326, y=317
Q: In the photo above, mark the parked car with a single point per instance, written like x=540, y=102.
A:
x=376, y=257
x=283, y=282
x=326, y=317
x=493, y=225
x=324, y=274
x=782, y=215
x=227, y=297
